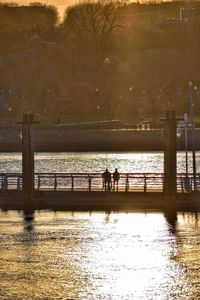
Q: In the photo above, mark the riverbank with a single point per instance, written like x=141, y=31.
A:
x=61, y=139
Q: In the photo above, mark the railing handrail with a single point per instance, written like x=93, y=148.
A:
x=97, y=174
x=94, y=181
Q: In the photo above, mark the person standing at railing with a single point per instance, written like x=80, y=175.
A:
x=116, y=177
x=106, y=180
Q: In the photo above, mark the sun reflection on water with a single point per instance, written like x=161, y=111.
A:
x=136, y=256
x=99, y=256
x=127, y=162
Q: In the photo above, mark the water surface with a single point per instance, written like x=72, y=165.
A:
x=99, y=256
x=115, y=256
x=79, y=162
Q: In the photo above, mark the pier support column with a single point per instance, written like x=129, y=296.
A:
x=27, y=155
x=169, y=184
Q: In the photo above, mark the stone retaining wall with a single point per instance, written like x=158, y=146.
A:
x=62, y=139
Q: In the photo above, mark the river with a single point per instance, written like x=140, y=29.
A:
x=82, y=255
x=98, y=256
x=80, y=162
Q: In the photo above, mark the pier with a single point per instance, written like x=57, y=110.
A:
x=87, y=191
x=93, y=182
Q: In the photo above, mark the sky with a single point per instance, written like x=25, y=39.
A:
x=60, y=4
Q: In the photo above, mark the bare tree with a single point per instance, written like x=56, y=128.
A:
x=91, y=25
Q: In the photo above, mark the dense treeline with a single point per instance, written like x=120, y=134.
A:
x=105, y=59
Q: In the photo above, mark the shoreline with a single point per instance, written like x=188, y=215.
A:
x=56, y=139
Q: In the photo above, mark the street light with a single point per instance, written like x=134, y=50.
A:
x=193, y=132
x=186, y=143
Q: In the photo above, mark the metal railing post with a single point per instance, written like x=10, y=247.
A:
x=18, y=182
x=55, y=182
x=145, y=184
x=89, y=184
x=72, y=178
x=38, y=183
x=127, y=184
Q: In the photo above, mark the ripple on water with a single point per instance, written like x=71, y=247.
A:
x=130, y=162
x=99, y=256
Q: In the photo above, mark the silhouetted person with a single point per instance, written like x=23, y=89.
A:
x=116, y=177
x=106, y=180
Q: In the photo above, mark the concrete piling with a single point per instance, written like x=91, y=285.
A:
x=27, y=155
x=170, y=148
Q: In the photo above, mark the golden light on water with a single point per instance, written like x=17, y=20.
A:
x=131, y=263
x=99, y=256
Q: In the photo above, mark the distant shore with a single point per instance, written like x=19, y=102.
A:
x=61, y=139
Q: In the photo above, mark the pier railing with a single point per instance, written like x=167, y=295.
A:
x=128, y=182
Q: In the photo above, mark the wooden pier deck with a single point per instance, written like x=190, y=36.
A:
x=88, y=201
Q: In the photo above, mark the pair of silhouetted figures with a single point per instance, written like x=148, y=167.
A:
x=108, y=185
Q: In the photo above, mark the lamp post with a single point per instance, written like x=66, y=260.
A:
x=186, y=143
x=193, y=132
x=98, y=116
x=98, y=107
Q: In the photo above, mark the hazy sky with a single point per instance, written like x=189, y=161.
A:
x=60, y=4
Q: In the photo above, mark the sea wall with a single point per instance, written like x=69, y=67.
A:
x=62, y=139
